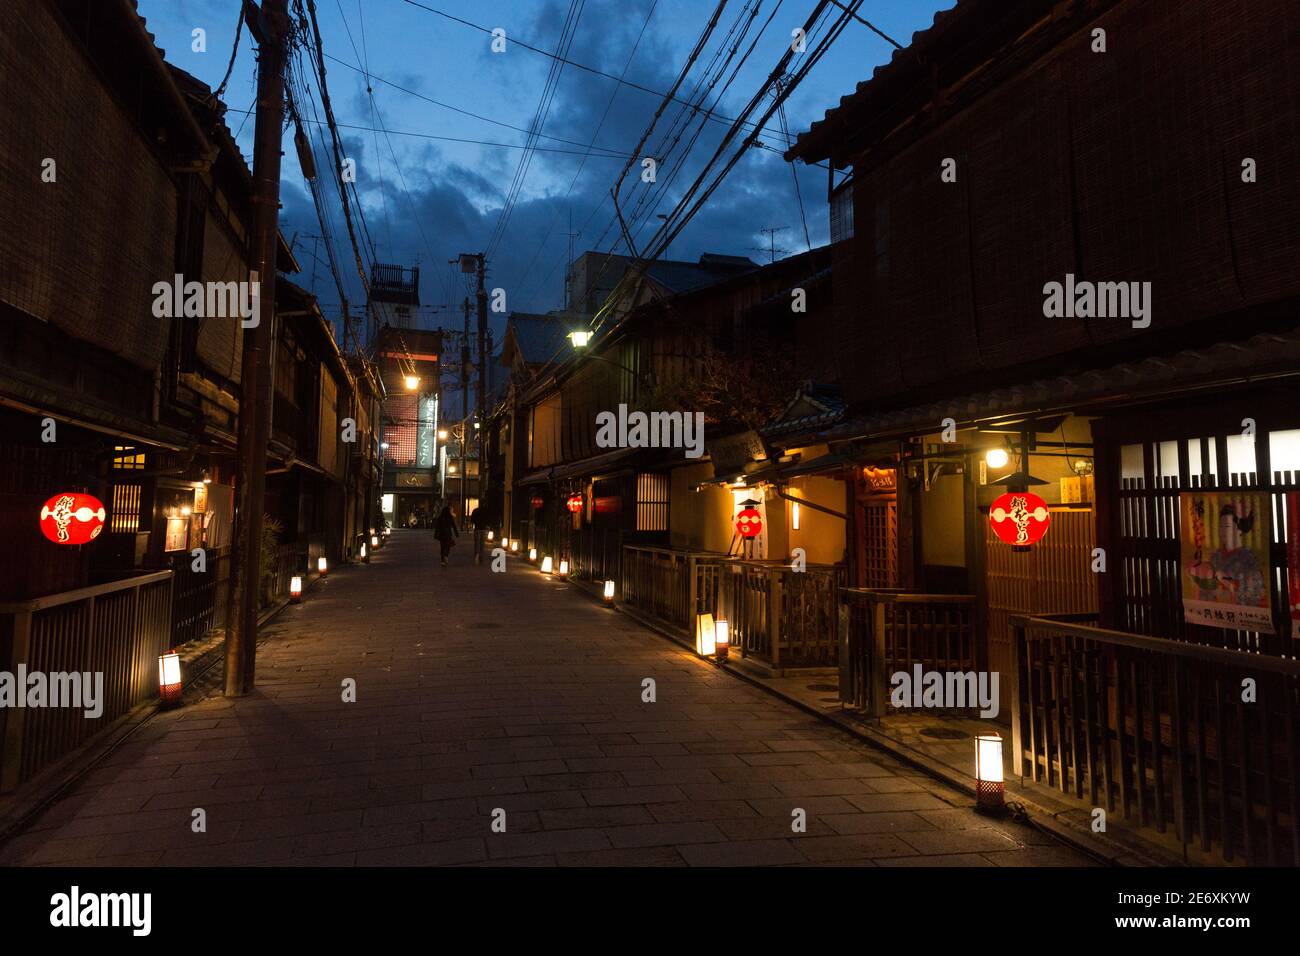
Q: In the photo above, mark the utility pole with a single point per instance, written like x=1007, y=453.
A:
x=482, y=387
x=464, y=415
x=271, y=27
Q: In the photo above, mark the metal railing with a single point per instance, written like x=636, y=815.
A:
x=1199, y=739
x=887, y=631
x=117, y=629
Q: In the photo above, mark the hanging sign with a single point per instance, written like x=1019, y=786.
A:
x=536, y=502
x=1019, y=518
x=72, y=518
x=1225, y=560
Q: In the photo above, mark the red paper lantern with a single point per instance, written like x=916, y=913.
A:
x=536, y=501
x=749, y=523
x=1020, y=518
x=574, y=503
x=72, y=518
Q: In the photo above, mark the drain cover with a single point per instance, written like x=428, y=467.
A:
x=942, y=733
x=825, y=687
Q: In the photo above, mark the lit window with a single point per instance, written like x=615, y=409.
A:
x=127, y=458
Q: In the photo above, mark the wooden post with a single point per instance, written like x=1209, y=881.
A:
x=12, y=759
x=1017, y=741
x=879, y=679
x=692, y=594
x=846, y=663
x=774, y=615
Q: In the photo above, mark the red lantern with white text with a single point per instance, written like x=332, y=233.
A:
x=1020, y=518
x=574, y=504
x=72, y=518
x=536, y=502
x=749, y=523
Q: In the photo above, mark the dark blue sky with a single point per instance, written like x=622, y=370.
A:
x=426, y=199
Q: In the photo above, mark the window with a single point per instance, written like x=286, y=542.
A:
x=126, y=509
x=127, y=458
x=652, y=493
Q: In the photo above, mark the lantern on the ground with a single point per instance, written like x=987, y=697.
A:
x=564, y=568
x=491, y=535
x=169, y=677
x=374, y=541
x=749, y=523
x=722, y=637
x=1020, y=518
x=706, y=639
x=989, y=783
x=609, y=592
x=532, y=554
x=514, y=546
x=322, y=566
x=547, y=567
x=574, y=503
x=365, y=556
x=295, y=589
x=71, y=517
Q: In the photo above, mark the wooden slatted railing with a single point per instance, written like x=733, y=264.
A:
x=887, y=631
x=1166, y=732
x=117, y=629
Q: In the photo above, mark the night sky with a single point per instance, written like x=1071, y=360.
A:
x=442, y=197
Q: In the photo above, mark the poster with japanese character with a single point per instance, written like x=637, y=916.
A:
x=1225, y=566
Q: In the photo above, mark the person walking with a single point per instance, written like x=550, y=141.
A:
x=446, y=532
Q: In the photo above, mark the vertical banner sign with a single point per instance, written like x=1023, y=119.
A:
x=1293, y=553
x=1225, y=567
x=428, y=421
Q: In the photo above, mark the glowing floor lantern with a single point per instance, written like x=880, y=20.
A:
x=322, y=566
x=491, y=535
x=564, y=568
x=365, y=555
x=547, y=567
x=722, y=638
x=374, y=541
x=609, y=593
x=169, y=678
x=989, y=784
x=706, y=637
x=514, y=546
x=532, y=554
x=295, y=589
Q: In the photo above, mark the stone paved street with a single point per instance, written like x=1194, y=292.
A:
x=478, y=692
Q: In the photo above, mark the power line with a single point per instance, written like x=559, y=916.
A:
x=713, y=115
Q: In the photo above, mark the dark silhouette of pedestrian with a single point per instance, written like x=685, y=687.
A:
x=446, y=532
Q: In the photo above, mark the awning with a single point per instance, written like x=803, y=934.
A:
x=584, y=466
x=776, y=472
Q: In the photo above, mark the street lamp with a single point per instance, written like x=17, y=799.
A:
x=412, y=382
x=580, y=338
